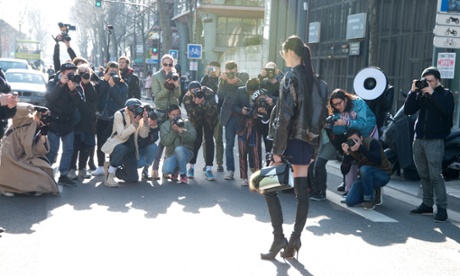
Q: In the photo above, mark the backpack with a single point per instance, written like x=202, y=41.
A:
x=319, y=98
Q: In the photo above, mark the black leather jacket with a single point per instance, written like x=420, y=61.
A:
x=297, y=115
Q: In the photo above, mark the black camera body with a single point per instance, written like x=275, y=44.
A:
x=330, y=121
x=65, y=28
x=178, y=121
x=115, y=77
x=137, y=110
x=172, y=76
x=230, y=75
x=262, y=102
x=197, y=92
x=74, y=78
x=421, y=83
x=350, y=142
x=44, y=118
x=271, y=73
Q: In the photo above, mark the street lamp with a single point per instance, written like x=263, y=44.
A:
x=109, y=29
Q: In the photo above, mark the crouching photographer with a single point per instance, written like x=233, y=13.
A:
x=178, y=137
x=200, y=104
x=23, y=154
x=129, y=124
x=147, y=146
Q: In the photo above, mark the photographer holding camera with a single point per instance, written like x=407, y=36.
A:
x=374, y=169
x=130, y=78
x=147, y=146
x=129, y=124
x=166, y=91
x=211, y=80
x=63, y=98
x=178, y=137
x=200, y=104
x=229, y=118
x=270, y=78
x=8, y=103
x=435, y=105
x=113, y=93
x=24, y=167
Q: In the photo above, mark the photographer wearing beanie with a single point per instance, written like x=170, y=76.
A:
x=435, y=105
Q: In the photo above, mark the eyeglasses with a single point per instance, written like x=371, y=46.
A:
x=337, y=103
x=168, y=64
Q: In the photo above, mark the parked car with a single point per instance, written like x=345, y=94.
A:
x=30, y=85
x=9, y=63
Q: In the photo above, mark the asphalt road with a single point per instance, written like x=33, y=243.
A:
x=213, y=228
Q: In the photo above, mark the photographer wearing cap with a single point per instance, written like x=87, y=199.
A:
x=130, y=78
x=178, y=137
x=113, y=93
x=63, y=97
x=129, y=124
x=229, y=118
x=166, y=91
x=374, y=169
x=211, y=80
x=200, y=104
x=270, y=78
x=435, y=107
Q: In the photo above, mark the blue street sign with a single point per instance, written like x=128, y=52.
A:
x=174, y=54
x=151, y=61
x=194, y=51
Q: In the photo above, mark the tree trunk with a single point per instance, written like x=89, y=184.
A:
x=373, y=47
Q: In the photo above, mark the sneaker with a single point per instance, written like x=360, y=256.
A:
x=378, y=200
x=220, y=168
x=155, y=175
x=110, y=181
x=228, y=175
x=183, y=179
x=66, y=181
x=210, y=176
x=423, y=209
x=190, y=173
x=204, y=168
x=318, y=197
x=244, y=182
x=98, y=171
x=175, y=176
x=441, y=215
x=341, y=187
x=84, y=174
x=8, y=194
x=72, y=175
x=145, y=174
x=368, y=205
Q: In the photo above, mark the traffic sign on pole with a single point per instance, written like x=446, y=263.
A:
x=194, y=51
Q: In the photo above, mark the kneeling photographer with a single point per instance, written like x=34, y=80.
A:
x=129, y=124
x=178, y=137
x=200, y=104
x=147, y=146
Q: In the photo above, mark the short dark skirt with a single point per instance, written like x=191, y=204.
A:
x=299, y=152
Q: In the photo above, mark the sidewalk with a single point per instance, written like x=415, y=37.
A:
x=410, y=191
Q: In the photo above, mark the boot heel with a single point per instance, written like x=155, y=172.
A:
x=274, y=249
x=291, y=249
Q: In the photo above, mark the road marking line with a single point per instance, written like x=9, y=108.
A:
x=371, y=215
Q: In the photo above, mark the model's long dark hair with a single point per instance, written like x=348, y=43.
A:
x=296, y=44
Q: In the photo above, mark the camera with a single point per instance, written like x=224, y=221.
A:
x=74, y=78
x=271, y=73
x=178, y=121
x=137, y=110
x=350, y=142
x=172, y=76
x=212, y=69
x=197, y=92
x=115, y=77
x=330, y=121
x=65, y=28
x=230, y=75
x=262, y=102
x=421, y=83
x=150, y=112
x=44, y=118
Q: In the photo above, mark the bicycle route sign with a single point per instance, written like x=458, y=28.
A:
x=447, y=29
x=194, y=51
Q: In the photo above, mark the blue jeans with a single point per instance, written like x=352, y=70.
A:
x=230, y=134
x=147, y=155
x=363, y=188
x=179, y=159
x=428, y=160
x=67, y=150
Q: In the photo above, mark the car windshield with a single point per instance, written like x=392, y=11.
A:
x=25, y=78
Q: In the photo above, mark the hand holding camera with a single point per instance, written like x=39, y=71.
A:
x=10, y=99
x=350, y=145
x=422, y=87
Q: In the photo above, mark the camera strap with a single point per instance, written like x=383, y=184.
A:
x=14, y=128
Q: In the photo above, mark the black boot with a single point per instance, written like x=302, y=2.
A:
x=276, y=217
x=300, y=187
x=278, y=244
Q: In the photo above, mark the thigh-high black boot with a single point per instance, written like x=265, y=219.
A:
x=276, y=217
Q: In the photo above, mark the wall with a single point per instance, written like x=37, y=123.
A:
x=249, y=59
